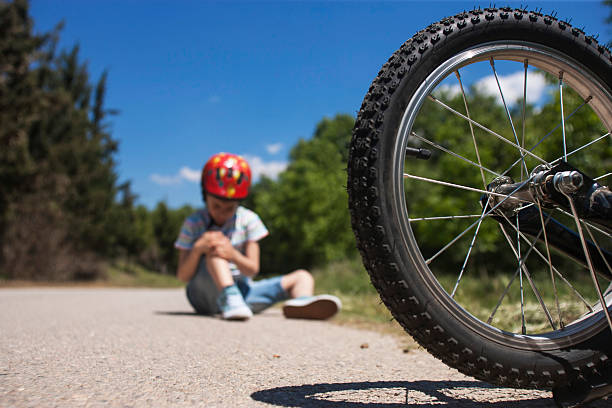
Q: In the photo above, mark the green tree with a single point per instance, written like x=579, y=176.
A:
x=57, y=177
x=129, y=228
x=306, y=208
x=166, y=225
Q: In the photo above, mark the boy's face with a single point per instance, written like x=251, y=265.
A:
x=220, y=210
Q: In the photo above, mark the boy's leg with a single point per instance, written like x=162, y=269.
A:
x=264, y=293
x=202, y=291
x=298, y=283
x=219, y=271
x=303, y=305
x=230, y=300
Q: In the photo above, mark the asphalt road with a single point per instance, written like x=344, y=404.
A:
x=141, y=347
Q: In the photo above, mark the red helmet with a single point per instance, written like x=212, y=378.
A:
x=226, y=175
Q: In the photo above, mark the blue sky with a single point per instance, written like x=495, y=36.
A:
x=191, y=78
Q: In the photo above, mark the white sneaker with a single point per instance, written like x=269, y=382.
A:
x=232, y=305
x=312, y=307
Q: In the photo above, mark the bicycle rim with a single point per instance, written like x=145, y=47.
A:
x=562, y=329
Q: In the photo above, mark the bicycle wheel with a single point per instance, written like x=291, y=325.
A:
x=446, y=150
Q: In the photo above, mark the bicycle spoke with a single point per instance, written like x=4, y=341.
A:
x=521, y=265
x=562, y=116
x=525, y=65
x=580, y=148
x=467, y=111
x=552, y=275
x=526, y=271
x=467, y=257
x=604, y=176
x=586, y=101
x=476, y=222
x=499, y=302
x=548, y=134
x=604, y=306
x=587, y=223
x=459, y=186
x=598, y=247
x=492, y=61
x=559, y=274
x=445, y=217
x=500, y=137
x=429, y=142
x=518, y=270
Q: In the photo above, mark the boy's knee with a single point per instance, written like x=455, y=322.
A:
x=304, y=276
x=215, y=262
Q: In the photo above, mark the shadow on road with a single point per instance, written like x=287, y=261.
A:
x=179, y=314
x=391, y=394
x=267, y=313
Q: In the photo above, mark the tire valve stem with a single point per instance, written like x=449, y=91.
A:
x=423, y=154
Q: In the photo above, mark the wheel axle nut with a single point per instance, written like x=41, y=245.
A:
x=568, y=181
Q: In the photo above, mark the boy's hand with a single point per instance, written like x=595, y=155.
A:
x=208, y=241
x=223, y=248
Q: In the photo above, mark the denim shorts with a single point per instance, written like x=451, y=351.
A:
x=259, y=295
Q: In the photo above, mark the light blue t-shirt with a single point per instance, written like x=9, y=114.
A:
x=244, y=226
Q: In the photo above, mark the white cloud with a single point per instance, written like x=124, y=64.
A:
x=512, y=87
x=274, y=148
x=259, y=167
x=190, y=174
x=165, y=180
x=184, y=173
x=449, y=90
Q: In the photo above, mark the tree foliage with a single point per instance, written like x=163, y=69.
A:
x=306, y=208
x=62, y=210
x=56, y=171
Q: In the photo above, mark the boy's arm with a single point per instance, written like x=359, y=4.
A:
x=248, y=264
x=189, y=259
x=187, y=263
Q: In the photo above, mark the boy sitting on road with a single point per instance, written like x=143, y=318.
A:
x=219, y=254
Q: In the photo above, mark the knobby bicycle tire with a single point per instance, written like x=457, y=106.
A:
x=412, y=295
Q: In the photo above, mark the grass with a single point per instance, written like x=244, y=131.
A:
x=349, y=281
x=123, y=274
x=118, y=274
x=480, y=296
x=477, y=294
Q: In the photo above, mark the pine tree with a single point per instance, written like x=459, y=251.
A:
x=57, y=176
